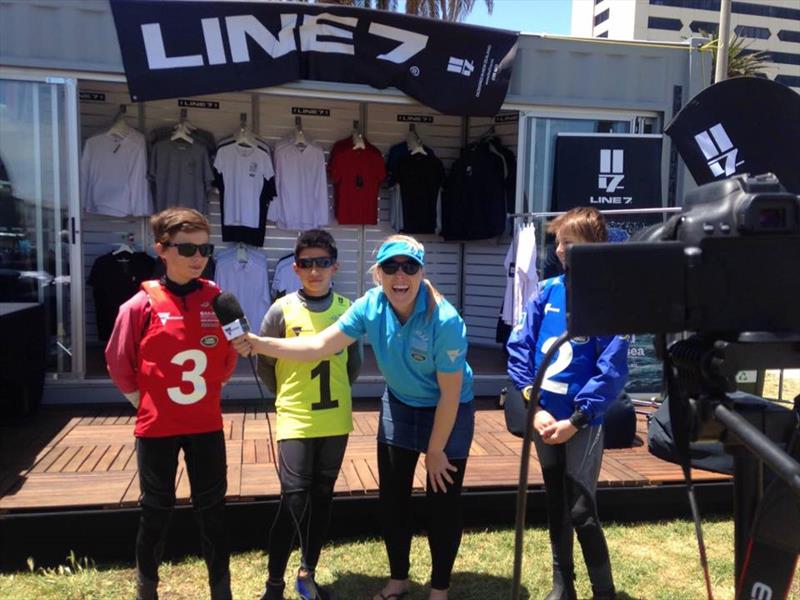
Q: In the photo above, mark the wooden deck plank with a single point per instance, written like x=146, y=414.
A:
x=108, y=457
x=80, y=456
x=50, y=456
x=71, y=489
x=62, y=461
x=91, y=435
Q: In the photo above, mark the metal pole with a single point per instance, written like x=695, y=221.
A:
x=723, y=41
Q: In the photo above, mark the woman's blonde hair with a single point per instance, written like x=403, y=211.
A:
x=434, y=295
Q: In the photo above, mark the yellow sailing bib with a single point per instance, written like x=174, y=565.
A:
x=314, y=398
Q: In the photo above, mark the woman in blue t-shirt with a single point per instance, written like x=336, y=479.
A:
x=420, y=345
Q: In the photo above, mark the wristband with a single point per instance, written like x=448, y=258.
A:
x=579, y=419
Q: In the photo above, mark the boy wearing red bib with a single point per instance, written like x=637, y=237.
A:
x=169, y=357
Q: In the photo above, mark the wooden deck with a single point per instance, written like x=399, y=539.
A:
x=83, y=458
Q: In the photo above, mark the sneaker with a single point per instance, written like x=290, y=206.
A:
x=308, y=589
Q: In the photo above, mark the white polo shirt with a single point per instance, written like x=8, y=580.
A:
x=302, y=186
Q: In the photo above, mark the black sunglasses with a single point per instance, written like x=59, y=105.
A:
x=321, y=262
x=409, y=268
x=188, y=250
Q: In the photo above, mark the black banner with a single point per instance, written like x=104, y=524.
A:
x=740, y=125
x=175, y=48
x=609, y=171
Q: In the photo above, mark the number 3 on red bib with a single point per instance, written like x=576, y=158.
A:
x=194, y=376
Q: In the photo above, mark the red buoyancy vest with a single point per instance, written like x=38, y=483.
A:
x=182, y=359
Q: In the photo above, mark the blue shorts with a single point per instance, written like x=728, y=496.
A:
x=410, y=426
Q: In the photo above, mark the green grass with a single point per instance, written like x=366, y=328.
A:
x=652, y=561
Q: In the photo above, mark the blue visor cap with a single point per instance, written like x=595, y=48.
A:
x=400, y=248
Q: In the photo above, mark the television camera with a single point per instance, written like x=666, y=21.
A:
x=727, y=268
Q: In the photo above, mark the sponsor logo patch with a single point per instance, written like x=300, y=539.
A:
x=454, y=354
x=209, y=341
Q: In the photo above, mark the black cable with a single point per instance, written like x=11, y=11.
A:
x=275, y=458
x=522, y=490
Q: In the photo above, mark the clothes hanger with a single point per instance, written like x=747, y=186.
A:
x=126, y=245
x=120, y=128
x=299, y=136
x=183, y=129
x=358, y=137
x=241, y=253
x=413, y=142
x=244, y=137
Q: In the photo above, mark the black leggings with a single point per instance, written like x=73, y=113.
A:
x=570, y=473
x=308, y=471
x=396, y=469
x=157, y=459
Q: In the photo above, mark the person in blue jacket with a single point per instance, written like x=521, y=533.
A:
x=420, y=345
x=586, y=376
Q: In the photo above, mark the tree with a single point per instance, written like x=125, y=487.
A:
x=741, y=61
x=445, y=10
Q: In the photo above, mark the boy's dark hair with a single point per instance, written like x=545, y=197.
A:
x=315, y=238
x=584, y=221
x=174, y=219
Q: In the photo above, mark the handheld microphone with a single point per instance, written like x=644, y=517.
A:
x=230, y=315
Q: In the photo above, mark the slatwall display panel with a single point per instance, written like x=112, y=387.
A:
x=275, y=122
x=484, y=288
x=99, y=104
x=484, y=273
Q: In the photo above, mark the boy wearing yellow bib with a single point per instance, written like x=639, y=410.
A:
x=314, y=408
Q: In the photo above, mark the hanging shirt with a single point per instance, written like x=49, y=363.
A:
x=181, y=174
x=244, y=273
x=246, y=182
x=114, y=176
x=302, y=187
x=410, y=354
x=420, y=176
x=285, y=280
x=114, y=278
x=356, y=174
x=522, y=277
x=474, y=200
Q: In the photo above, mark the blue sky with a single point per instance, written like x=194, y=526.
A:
x=530, y=16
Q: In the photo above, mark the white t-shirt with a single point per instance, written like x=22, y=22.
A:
x=244, y=171
x=525, y=277
x=114, y=175
x=302, y=186
x=285, y=280
x=247, y=279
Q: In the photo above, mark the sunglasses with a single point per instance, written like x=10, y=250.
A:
x=321, y=262
x=188, y=250
x=409, y=268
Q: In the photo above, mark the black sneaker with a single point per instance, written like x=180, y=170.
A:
x=308, y=589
